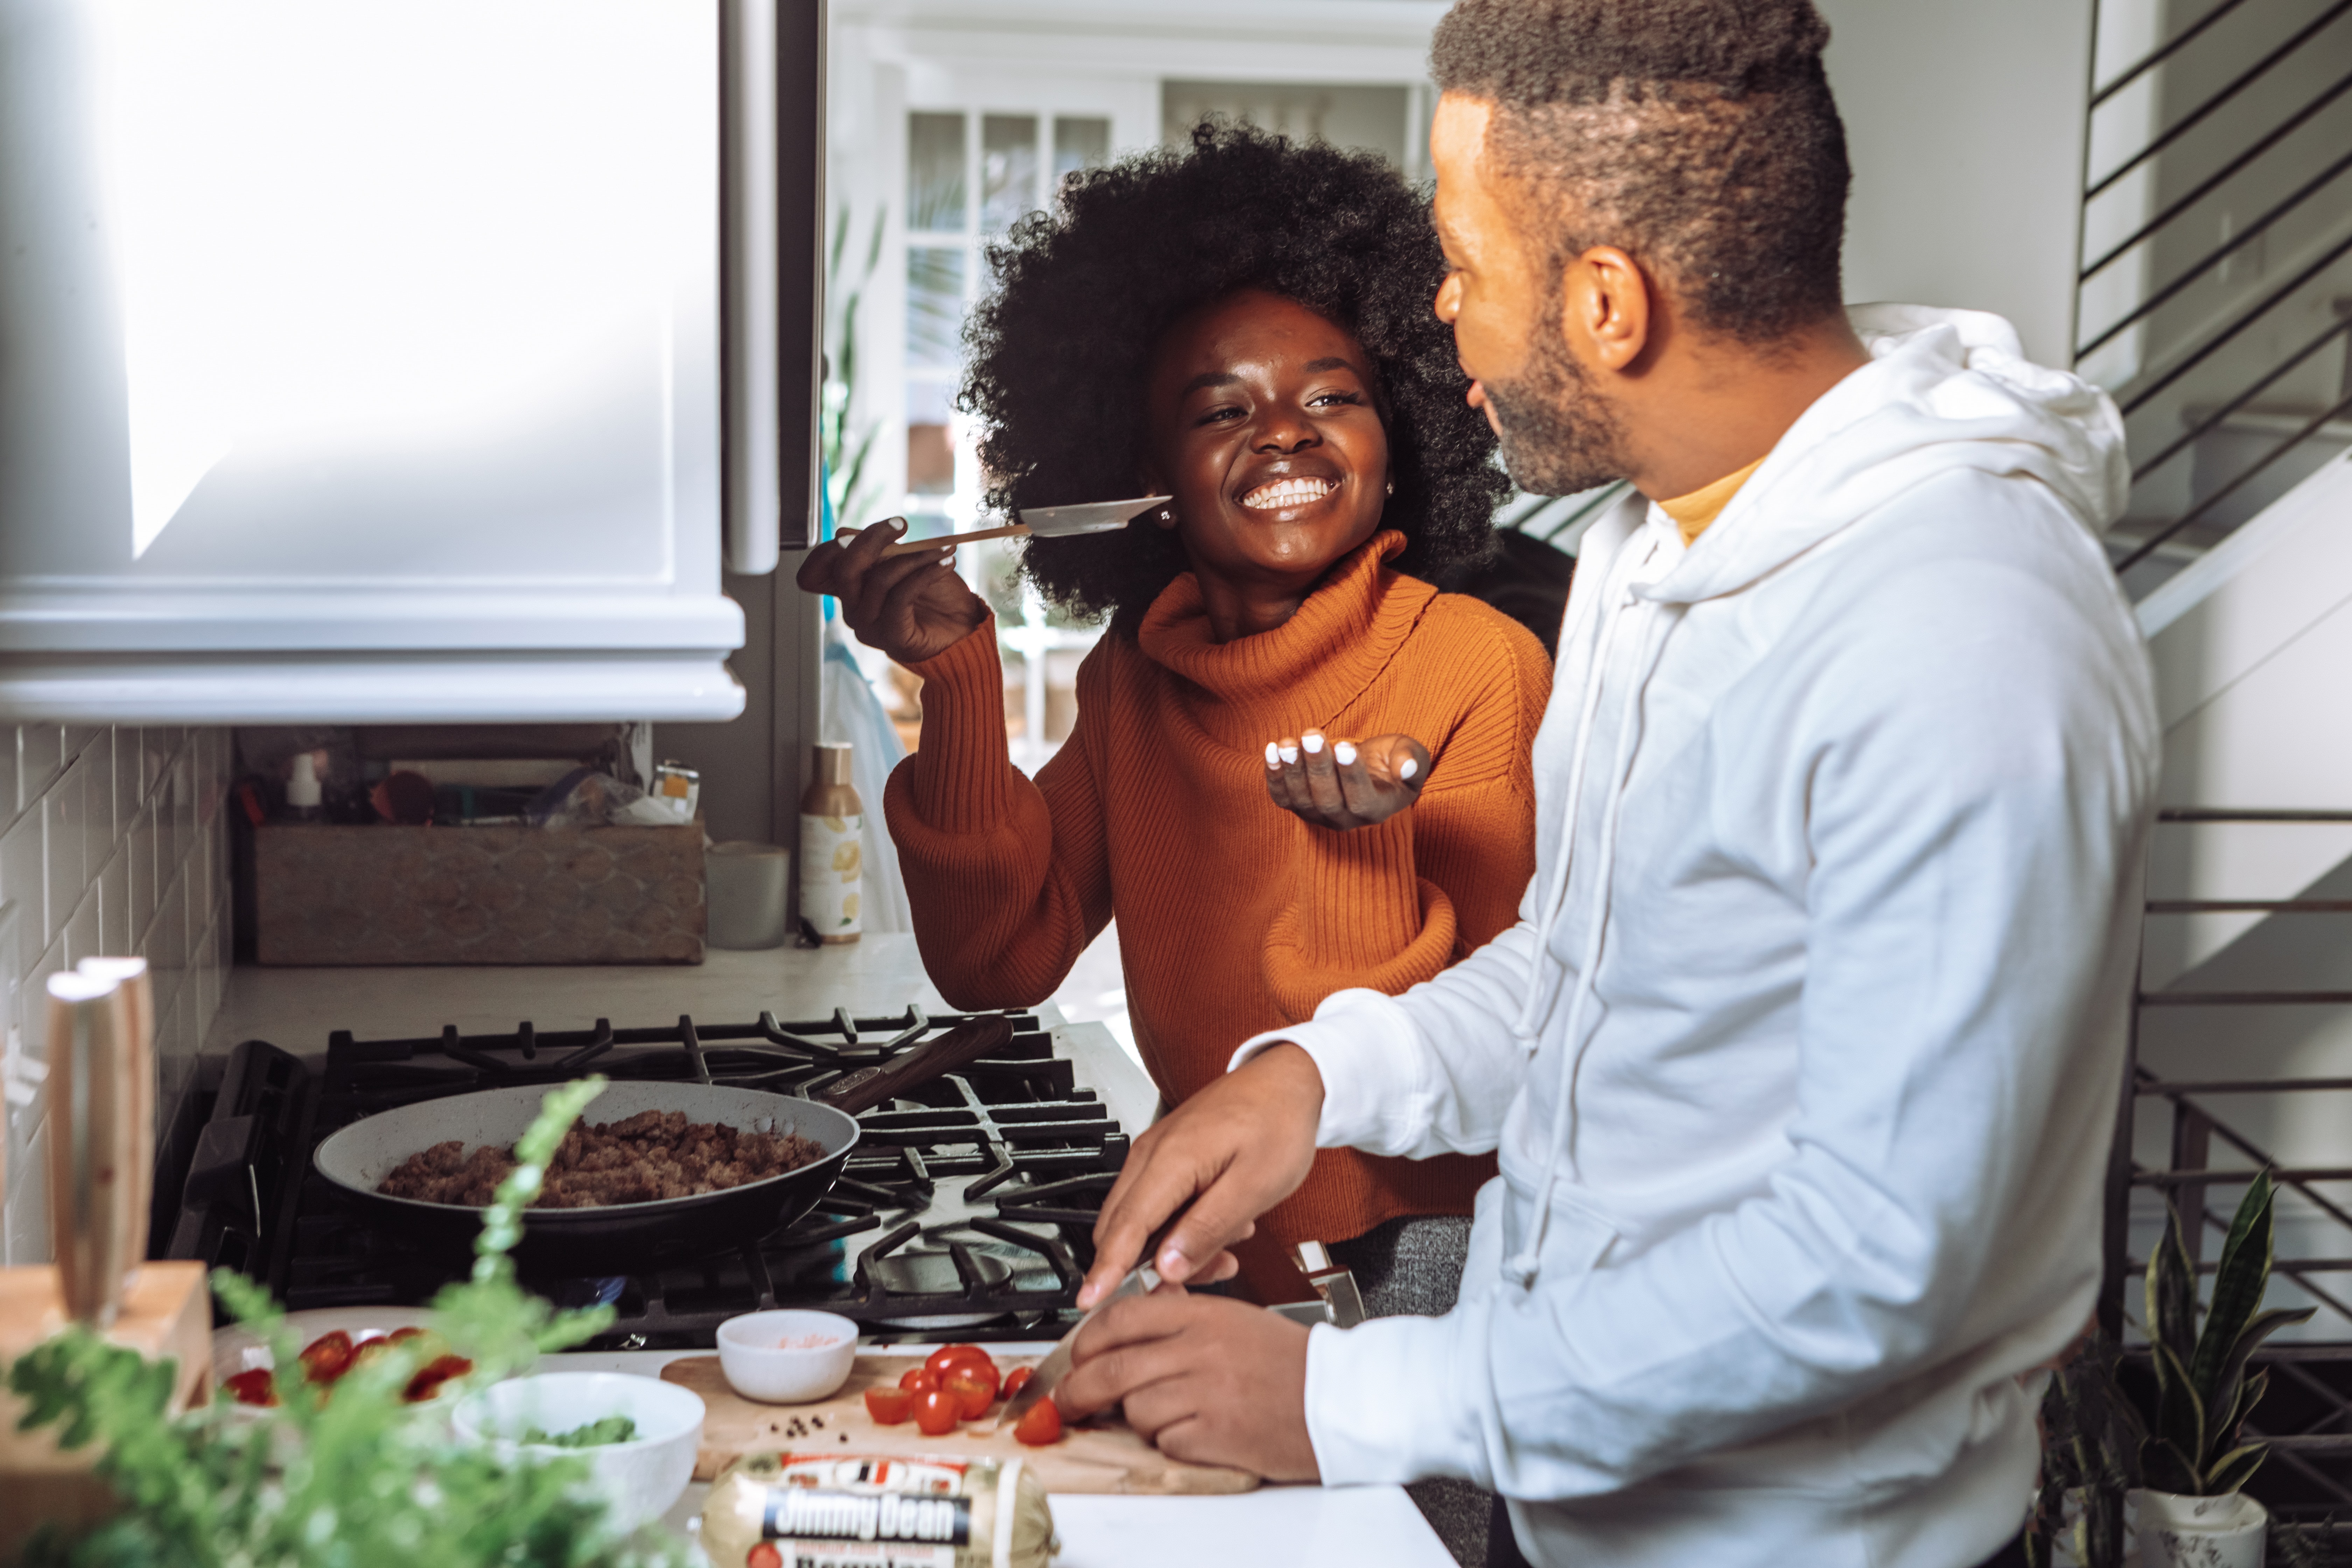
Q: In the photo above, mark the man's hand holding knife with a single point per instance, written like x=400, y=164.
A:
x=1207, y=1378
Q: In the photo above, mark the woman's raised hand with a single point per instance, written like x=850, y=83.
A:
x=911, y=606
x=1345, y=783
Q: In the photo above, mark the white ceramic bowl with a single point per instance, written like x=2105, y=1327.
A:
x=759, y=1365
x=639, y=1480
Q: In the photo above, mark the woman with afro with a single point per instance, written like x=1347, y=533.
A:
x=1296, y=767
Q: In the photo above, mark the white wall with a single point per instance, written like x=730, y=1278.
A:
x=1965, y=127
x=111, y=841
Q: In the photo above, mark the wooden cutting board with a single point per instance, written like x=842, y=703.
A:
x=1105, y=1455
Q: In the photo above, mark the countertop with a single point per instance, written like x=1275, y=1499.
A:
x=297, y=1009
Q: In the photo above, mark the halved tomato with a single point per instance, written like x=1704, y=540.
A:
x=255, y=1387
x=889, y=1407
x=433, y=1374
x=325, y=1358
x=973, y=1394
x=1042, y=1425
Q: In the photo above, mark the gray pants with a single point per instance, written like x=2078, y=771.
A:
x=1412, y=1266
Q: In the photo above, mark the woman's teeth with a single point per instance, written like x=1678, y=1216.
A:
x=1288, y=492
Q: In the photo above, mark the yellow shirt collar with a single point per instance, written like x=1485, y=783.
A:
x=1694, y=512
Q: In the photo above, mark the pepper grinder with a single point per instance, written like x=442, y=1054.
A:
x=139, y=992
x=98, y=1232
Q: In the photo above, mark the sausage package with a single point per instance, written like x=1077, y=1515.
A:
x=877, y=1511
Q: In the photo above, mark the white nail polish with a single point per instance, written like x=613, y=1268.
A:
x=1289, y=753
x=1406, y=769
x=1344, y=755
x=1273, y=754
x=1314, y=744
x=896, y=525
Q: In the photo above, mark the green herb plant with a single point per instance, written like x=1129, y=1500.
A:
x=361, y=1479
x=846, y=452
x=2203, y=1394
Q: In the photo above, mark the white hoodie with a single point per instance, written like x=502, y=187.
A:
x=1803, y=1059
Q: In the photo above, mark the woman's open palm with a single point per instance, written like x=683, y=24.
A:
x=1345, y=783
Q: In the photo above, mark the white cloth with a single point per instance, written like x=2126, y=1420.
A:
x=1803, y=1059
x=854, y=714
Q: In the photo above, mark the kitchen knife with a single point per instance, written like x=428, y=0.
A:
x=1039, y=522
x=1050, y=1371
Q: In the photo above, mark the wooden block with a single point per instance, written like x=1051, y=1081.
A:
x=1104, y=1456
x=166, y=1312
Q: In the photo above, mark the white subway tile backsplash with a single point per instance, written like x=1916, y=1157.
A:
x=93, y=822
x=81, y=933
x=40, y=754
x=25, y=883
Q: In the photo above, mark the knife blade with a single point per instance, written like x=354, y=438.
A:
x=1140, y=1280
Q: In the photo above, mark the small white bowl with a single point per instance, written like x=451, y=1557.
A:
x=638, y=1480
x=759, y=1365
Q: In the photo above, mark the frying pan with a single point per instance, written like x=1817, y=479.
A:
x=619, y=1238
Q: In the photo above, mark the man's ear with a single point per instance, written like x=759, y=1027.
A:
x=1606, y=313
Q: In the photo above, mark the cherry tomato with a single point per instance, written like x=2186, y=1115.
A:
x=889, y=1407
x=427, y=1383
x=947, y=1356
x=936, y=1412
x=1042, y=1425
x=973, y=1394
x=325, y=1358
x=764, y=1555
x=1016, y=1379
x=253, y=1387
x=401, y=1336
x=919, y=1380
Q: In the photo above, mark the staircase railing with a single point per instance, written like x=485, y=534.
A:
x=2214, y=294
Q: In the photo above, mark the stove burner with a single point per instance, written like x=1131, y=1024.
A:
x=969, y=1204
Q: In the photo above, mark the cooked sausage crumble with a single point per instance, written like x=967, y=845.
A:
x=652, y=1155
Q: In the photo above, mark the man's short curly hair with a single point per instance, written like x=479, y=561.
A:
x=1062, y=349
x=1697, y=135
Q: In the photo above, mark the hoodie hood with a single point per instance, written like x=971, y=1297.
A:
x=1944, y=390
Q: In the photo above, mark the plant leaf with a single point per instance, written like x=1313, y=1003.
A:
x=2231, y=1472
x=2172, y=1293
x=2181, y=1414
x=2238, y=1285
x=2234, y=1370
x=2166, y=1468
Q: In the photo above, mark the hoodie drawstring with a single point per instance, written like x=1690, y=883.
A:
x=1522, y=1265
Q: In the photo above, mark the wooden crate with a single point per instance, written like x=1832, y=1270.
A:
x=326, y=894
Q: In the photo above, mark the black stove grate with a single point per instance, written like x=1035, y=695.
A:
x=968, y=1207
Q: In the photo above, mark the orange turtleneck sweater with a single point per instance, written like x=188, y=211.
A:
x=1233, y=915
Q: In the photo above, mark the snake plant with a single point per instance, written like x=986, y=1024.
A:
x=2203, y=1394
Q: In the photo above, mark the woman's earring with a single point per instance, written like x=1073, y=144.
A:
x=1391, y=487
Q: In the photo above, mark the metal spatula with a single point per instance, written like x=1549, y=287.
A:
x=1045, y=522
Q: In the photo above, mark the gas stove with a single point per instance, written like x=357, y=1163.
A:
x=968, y=1207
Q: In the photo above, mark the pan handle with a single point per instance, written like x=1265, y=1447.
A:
x=869, y=1086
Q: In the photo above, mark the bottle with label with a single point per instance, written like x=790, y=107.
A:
x=833, y=855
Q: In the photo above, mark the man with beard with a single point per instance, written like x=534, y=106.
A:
x=1801, y=1061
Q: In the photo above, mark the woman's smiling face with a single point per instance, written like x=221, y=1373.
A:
x=1263, y=427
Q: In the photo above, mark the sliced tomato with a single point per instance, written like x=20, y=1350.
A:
x=919, y=1380
x=889, y=1407
x=401, y=1336
x=429, y=1378
x=1016, y=1379
x=947, y=1356
x=255, y=1387
x=936, y=1412
x=1041, y=1425
x=325, y=1358
x=973, y=1394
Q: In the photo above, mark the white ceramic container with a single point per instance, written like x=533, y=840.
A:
x=2179, y=1531
x=760, y=1362
x=639, y=1480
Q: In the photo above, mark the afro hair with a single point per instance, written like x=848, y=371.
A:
x=1061, y=349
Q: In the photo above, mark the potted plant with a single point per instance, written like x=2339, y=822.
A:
x=362, y=1480
x=2091, y=1437
x=2191, y=1508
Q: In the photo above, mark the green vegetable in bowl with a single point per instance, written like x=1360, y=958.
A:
x=593, y=1435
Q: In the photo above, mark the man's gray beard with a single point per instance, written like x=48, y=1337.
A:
x=1558, y=435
